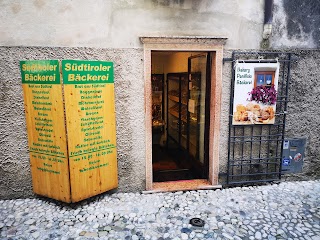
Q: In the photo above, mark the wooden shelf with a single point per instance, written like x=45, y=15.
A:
x=192, y=139
x=174, y=138
x=176, y=114
x=178, y=78
x=192, y=146
x=176, y=99
x=158, y=125
x=173, y=128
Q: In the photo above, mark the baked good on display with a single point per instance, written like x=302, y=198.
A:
x=252, y=113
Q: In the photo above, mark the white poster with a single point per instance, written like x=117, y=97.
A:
x=255, y=93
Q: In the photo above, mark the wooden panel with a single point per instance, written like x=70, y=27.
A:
x=90, y=115
x=46, y=128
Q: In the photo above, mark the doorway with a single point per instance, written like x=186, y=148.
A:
x=181, y=83
x=195, y=44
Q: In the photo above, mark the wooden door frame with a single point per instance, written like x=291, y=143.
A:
x=187, y=44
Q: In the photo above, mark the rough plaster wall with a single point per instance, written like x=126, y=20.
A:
x=15, y=178
x=303, y=112
x=296, y=24
x=224, y=118
x=120, y=23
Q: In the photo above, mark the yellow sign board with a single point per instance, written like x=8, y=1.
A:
x=46, y=129
x=89, y=167
x=90, y=115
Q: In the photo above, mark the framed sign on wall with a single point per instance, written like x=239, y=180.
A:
x=255, y=93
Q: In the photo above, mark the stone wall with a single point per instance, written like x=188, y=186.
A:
x=120, y=23
x=15, y=177
x=304, y=112
x=296, y=24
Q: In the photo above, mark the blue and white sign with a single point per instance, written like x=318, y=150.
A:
x=286, y=162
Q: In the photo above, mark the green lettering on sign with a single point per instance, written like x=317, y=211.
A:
x=40, y=72
x=87, y=72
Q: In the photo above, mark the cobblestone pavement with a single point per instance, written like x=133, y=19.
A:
x=289, y=210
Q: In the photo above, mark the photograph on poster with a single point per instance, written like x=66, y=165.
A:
x=255, y=93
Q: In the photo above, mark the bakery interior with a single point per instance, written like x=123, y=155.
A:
x=180, y=82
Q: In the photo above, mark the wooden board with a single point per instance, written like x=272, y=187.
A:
x=91, y=129
x=46, y=128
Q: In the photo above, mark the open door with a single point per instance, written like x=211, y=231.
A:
x=198, y=117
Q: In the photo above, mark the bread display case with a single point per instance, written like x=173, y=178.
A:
x=157, y=100
x=183, y=100
x=157, y=83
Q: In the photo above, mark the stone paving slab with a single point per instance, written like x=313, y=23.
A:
x=289, y=210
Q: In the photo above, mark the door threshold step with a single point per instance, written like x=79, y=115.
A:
x=181, y=185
